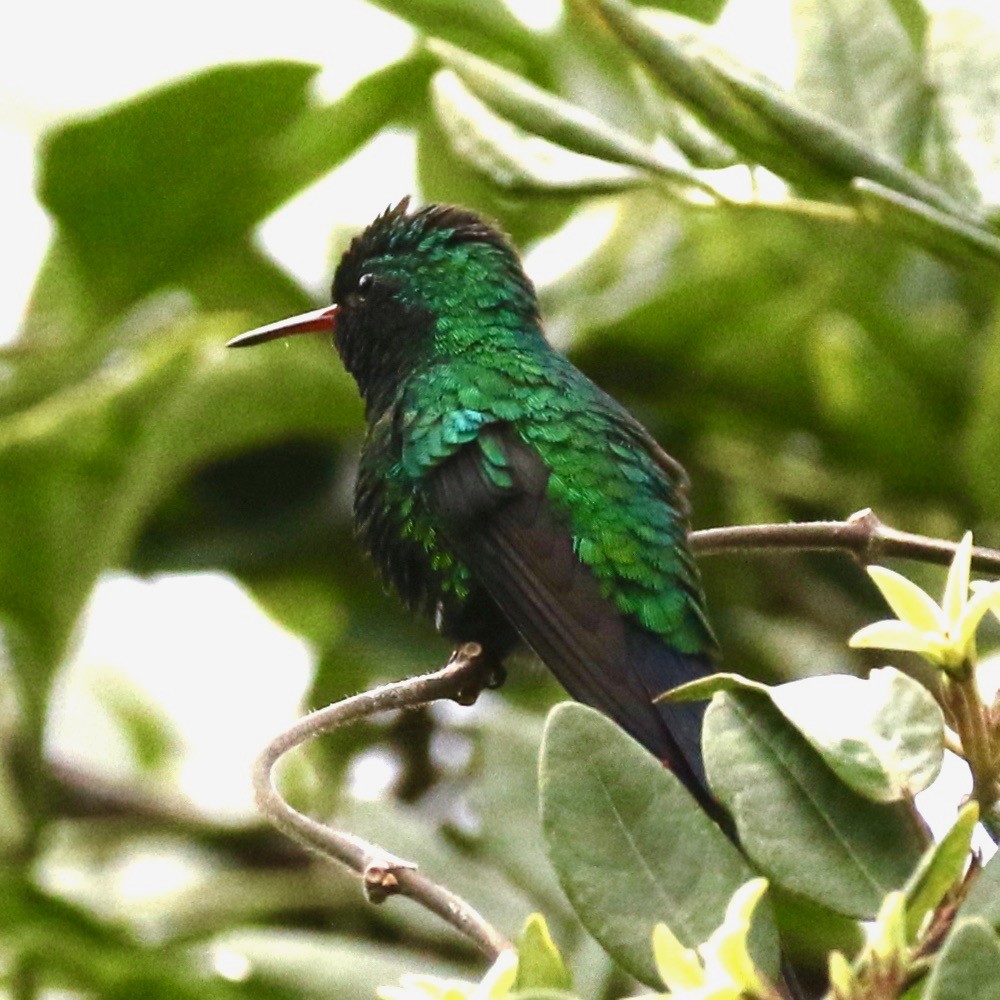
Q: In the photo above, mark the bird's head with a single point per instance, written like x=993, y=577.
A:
x=412, y=286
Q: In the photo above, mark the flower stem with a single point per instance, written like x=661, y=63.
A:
x=971, y=720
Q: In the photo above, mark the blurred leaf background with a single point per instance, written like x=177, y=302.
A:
x=800, y=366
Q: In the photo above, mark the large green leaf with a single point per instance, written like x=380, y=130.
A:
x=630, y=846
x=796, y=819
x=162, y=190
x=968, y=967
x=858, y=66
x=883, y=735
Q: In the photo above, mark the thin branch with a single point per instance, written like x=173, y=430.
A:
x=862, y=534
x=382, y=874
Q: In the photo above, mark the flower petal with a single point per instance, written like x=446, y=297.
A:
x=679, y=967
x=499, y=981
x=984, y=597
x=889, y=936
x=911, y=603
x=956, y=590
x=890, y=634
x=982, y=585
x=726, y=957
x=840, y=974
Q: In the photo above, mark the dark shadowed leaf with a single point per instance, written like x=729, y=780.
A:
x=631, y=847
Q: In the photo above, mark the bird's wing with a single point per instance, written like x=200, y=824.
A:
x=490, y=497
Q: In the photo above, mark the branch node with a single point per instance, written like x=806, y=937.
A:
x=868, y=529
x=380, y=879
x=482, y=671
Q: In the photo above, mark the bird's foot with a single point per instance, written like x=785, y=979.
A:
x=486, y=671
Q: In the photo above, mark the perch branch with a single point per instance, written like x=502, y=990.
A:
x=382, y=874
x=862, y=534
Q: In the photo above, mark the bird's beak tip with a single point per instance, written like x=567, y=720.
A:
x=317, y=321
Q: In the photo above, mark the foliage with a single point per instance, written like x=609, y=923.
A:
x=796, y=292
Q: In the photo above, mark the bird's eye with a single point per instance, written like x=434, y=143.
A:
x=365, y=284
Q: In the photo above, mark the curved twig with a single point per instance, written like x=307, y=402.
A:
x=383, y=874
x=862, y=534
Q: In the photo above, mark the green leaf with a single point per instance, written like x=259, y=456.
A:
x=887, y=739
x=968, y=967
x=944, y=232
x=150, y=737
x=630, y=846
x=187, y=171
x=796, y=818
x=539, y=964
x=963, y=67
x=913, y=18
x=939, y=870
x=809, y=932
x=536, y=111
x=983, y=899
x=701, y=10
x=172, y=171
x=513, y=158
x=755, y=116
x=883, y=736
x=858, y=66
x=486, y=26
x=698, y=144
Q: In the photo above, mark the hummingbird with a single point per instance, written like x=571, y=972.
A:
x=500, y=491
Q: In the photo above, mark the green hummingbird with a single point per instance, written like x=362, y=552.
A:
x=504, y=494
